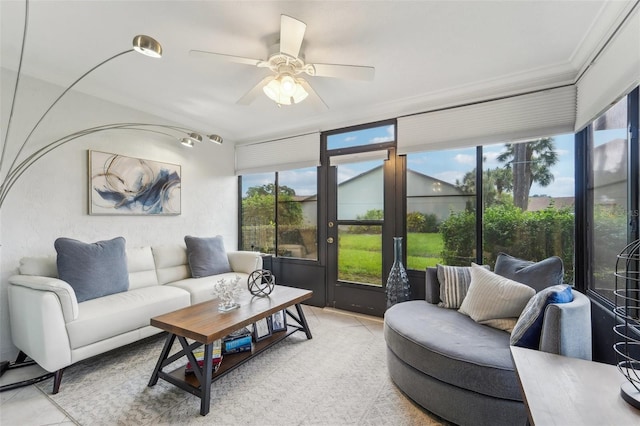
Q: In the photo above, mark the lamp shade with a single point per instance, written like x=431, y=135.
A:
x=147, y=46
x=195, y=137
x=187, y=142
x=215, y=139
x=285, y=90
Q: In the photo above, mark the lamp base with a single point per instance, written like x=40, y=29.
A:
x=630, y=394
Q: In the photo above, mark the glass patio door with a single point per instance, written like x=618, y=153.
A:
x=362, y=196
x=359, y=234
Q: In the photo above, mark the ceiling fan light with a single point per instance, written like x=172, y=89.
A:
x=300, y=94
x=272, y=90
x=216, y=139
x=147, y=46
x=187, y=142
x=288, y=85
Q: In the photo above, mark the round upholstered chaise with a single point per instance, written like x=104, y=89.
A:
x=454, y=367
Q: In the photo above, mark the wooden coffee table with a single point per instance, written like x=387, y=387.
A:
x=204, y=324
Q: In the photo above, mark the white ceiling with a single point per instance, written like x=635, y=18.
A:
x=427, y=54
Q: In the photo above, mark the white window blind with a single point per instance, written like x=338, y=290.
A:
x=545, y=113
x=359, y=157
x=614, y=73
x=278, y=155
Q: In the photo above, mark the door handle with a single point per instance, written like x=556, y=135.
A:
x=330, y=240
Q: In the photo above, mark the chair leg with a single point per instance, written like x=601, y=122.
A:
x=57, y=378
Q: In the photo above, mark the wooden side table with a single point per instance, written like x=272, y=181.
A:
x=559, y=390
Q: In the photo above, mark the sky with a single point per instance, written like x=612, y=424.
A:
x=446, y=165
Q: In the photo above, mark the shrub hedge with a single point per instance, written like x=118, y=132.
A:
x=524, y=234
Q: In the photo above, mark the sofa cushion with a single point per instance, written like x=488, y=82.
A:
x=201, y=289
x=41, y=266
x=491, y=298
x=528, y=329
x=171, y=262
x=537, y=275
x=109, y=316
x=206, y=256
x=141, y=267
x=93, y=270
x=452, y=348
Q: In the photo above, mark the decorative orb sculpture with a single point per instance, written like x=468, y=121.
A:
x=261, y=282
x=627, y=328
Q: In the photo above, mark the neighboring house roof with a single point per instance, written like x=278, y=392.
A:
x=410, y=174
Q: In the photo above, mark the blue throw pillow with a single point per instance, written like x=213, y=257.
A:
x=528, y=329
x=206, y=256
x=93, y=269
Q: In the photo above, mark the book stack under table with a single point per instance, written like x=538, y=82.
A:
x=238, y=341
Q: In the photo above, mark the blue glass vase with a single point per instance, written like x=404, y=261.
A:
x=397, y=289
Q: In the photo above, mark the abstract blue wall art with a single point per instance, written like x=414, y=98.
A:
x=120, y=185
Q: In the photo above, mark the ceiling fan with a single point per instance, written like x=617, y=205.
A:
x=285, y=86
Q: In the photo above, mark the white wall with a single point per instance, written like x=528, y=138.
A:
x=50, y=200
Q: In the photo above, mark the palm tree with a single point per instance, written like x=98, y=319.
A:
x=530, y=162
x=494, y=183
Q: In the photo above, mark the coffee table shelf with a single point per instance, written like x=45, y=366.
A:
x=203, y=324
x=232, y=361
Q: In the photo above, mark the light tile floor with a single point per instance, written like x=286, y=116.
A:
x=29, y=406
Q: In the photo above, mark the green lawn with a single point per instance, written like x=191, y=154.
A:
x=424, y=250
x=359, y=256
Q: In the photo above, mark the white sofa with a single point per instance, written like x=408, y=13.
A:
x=49, y=326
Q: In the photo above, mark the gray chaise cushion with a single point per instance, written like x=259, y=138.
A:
x=93, y=270
x=452, y=348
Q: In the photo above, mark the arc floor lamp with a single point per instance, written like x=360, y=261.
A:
x=27, y=155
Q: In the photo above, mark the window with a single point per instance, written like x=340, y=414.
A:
x=608, y=189
x=298, y=213
x=361, y=137
x=441, y=208
x=258, y=213
x=360, y=214
x=528, y=200
x=289, y=231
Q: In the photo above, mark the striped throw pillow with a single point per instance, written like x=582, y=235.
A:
x=454, y=284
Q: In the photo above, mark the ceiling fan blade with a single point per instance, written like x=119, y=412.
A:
x=291, y=35
x=351, y=72
x=252, y=94
x=315, y=100
x=226, y=58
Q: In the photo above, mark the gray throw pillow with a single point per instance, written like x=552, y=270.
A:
x=206, y=256
x=537, y=275
x=93, y=269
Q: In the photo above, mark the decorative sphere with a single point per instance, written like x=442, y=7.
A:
x=261, y=282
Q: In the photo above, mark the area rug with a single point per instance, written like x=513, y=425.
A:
x=337, y=378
